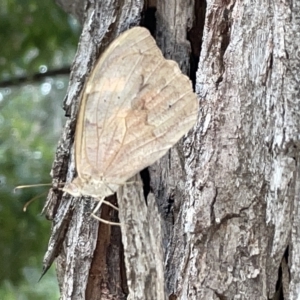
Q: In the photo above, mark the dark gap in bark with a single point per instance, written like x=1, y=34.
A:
x=221, y=297
x=271, y=61
x=219, y=80
x=145, y=175
x=108, y=264
x=287, y=55
x=124, y=285
x=148, y=17
x=195, y=37
x=279, y=295
x=286, y=254
x=212, y=211
x=167, y=210
x=170, y=203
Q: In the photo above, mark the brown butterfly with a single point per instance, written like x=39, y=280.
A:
x=135, y=106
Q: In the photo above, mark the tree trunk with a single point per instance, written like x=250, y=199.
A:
x=221, y=216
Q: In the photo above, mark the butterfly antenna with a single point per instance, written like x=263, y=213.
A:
x=31, y=200
x=38, y=185
x=31, y=185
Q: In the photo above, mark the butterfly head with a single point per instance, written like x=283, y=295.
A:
x=73, y=188
x=92, y=188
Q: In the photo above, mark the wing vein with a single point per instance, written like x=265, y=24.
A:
x=119, y=108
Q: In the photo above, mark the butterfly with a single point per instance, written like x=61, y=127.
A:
x=134, y=107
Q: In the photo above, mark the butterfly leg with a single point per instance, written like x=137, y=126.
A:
x=106, y=222
x=101, y=201
x=109, y=204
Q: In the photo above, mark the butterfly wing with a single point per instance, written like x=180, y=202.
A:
x=136, y=106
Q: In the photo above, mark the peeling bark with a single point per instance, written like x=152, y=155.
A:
x=141, y=237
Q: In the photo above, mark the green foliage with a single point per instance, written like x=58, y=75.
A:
x=35, y=35
x=30, y=289
x=31, y=123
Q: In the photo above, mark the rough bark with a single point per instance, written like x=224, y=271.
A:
x=141, y=237
x=227, y=194
x=240, y=217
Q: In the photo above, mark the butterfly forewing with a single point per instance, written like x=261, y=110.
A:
x=135, y=106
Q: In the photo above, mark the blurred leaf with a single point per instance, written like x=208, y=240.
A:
x=36, y=36
x=30, y=288
x=31, y=124
x=35, y=33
